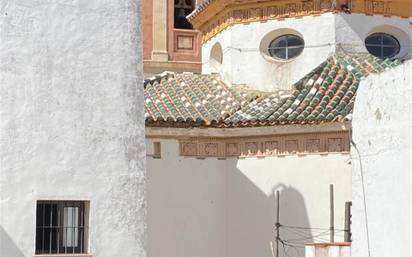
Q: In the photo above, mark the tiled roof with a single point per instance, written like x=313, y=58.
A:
x=326, y=94
x=191, y=98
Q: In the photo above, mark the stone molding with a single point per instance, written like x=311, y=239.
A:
x=241, y=132
x=255, y=146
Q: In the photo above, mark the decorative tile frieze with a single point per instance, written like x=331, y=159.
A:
x=266, y=145
x=313, y=145
x=210, y=149
x=189, y=148
x=271, y=148
x=261, y=11
x=251, y=148
x=378, y=7
x=232, y=149
x=292, y=146
x=335, y=144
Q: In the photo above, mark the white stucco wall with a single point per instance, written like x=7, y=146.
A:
x=186, y=205
x=382, y=125
x=352, y=29
x=71, y=117
x=226, y=208
x=243, y=62
x=248, y=66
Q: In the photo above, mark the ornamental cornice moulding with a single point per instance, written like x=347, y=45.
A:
x=220, y=14
x=243, y=147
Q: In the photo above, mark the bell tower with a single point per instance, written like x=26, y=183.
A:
x=170, y=43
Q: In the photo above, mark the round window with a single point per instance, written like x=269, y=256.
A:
x=382, y=45
x=286, y=47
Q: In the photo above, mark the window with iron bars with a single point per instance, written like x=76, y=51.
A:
x=61, y=227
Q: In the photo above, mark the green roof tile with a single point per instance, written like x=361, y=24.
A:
x=325, y=94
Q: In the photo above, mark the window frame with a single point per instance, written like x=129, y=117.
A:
x=176, y=7
x=58, y=240
x=286, y=48
x=382, y=46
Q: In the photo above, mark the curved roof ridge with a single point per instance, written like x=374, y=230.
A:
x=325, y=94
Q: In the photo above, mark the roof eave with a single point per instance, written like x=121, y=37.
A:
x=174, y=131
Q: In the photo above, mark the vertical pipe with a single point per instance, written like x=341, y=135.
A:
x=348, y=215
x=332, y=214
x=65, y=221
x=58, y=228
x=277, y=224
x=42, y=227
x=51, y=228
x=73, y=230
x=65, y=239
x=81, y=229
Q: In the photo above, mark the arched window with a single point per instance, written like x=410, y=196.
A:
x=216, y=57
x=382, y=45
x=286, y=47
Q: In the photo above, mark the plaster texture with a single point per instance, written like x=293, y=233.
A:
x=244, y=63
x=382, y=125
x=71, y=118
x=226, y=208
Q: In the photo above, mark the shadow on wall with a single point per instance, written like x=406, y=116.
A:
x=214, y=208
x=7, y=247
x=251, y=219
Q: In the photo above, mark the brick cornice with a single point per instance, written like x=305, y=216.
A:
x=217, y=15
x=266, y=146
x=257, y=142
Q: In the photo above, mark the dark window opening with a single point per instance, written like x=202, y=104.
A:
x=382, y=45
x=286, y=47
x=182, y=8
x=60, y=227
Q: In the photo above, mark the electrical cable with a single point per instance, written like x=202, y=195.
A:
x=364, y=196
x=317, y=237
x=338, y=45
x=295, y=248
x=310, y=228
x=305, y=236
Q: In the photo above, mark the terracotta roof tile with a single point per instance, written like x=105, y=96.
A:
x=188, y=98
x=326, y=94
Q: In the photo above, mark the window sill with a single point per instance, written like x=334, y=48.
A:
x=64, y=255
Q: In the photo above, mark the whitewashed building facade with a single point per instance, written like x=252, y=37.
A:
x=382, y=181
x=72, y=170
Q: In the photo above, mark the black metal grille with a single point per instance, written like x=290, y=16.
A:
x=60, y=227
x=382, y=45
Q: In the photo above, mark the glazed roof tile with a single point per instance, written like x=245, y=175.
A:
x=326, y=94
x=192, y=98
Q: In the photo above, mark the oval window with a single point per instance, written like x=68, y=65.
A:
x=382, y=45
x=286, y=47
